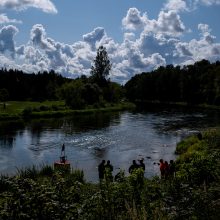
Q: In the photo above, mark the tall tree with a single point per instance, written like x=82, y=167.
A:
x=102, y=66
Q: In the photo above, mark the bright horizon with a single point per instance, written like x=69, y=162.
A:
x=139, y=36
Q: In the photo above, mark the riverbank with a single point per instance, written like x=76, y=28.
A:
x=160, y=104
x=19, y=110
x=193, y=193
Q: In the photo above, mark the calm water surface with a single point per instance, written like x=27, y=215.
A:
x=119, y=137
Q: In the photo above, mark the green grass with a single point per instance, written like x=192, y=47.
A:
x=16, y=107
x=19, y=109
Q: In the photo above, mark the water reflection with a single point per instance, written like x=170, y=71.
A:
x=7, y=141
x=8, y=132
x=120, y=137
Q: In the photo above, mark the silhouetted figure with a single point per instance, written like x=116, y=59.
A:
x=108, y=171
x=119, y=176
x=166, y=170
x=199, y=135
x=101, y=169
x=172, y=169
x=162, y=168
x=62, y=154
x=142, y=165
x=133, y=167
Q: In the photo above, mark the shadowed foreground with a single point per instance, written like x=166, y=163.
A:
x=194, y=193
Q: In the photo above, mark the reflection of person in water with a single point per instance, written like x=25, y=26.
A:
x=101, y=170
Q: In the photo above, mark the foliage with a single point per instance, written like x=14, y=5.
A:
x=192, y=194
x=102, y=66
x=4, y=95
x=192, y=84
x=36, y=87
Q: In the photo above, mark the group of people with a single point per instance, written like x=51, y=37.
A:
x=167, y=169
x=135, y=165
x=105, y=170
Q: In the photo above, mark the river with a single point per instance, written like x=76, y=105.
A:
x=119, y=137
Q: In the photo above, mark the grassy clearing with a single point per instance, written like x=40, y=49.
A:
x=17, y=110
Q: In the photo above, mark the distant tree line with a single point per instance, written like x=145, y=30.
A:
x=21, y=86
x=77, y=93
x=192, y=84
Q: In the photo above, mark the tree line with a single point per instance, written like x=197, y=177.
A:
x=193, y=84
x=97, y=89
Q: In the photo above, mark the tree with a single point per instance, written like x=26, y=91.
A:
x=102, y=66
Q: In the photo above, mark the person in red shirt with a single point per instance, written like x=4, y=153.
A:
x=162, y=169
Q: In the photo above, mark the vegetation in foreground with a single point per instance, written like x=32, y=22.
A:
x=193, y=194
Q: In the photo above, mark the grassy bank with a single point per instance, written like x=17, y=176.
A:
x=19, y=110
x=194, y=193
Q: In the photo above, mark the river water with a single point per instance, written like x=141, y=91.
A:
x=119, y=137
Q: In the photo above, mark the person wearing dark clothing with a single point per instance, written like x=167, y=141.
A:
x=133, y=167
x=142, y=165
x=101, y=169
x=108, y=171
x=172, y=169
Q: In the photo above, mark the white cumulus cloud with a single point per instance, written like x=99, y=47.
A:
x=146, y=45
x=4, y=19
x=44, y=5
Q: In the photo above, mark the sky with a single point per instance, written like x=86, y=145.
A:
x=139, y=35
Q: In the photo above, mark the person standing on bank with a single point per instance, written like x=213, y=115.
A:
x=108, y=171
x=133, y=167
x=101, y=169
x=142, y=165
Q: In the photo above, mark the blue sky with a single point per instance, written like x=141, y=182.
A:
x=38, y=35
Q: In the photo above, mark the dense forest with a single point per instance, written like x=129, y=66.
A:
x=21, y=86
x=192, y=84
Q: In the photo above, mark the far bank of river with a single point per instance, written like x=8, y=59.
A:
x=117, y=136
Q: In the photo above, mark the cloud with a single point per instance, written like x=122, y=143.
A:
x=7, y=44
x=168, y=23
x=96, y=35
x=204, y=48
x=38, y=37
x=44, y=5
x=210, y=2
x=146, y=45
x=5, y=19
x=134, y=20
x=188, y=5
x=176, y=5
